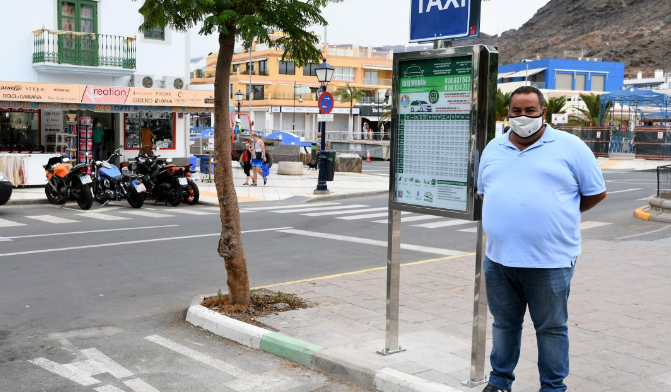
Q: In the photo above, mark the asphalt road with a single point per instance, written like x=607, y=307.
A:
x=110, y=286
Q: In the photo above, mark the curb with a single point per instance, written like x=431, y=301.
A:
x=326, y=361
x=346, y=196
x=641, y=214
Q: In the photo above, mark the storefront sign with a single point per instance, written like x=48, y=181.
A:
x=109, y=96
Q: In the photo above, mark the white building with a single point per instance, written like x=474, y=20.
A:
x=87, y=58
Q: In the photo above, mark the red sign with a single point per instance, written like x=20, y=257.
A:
x=660, y=135
x=325, y=102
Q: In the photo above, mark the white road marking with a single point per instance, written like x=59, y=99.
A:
x=368, y=216
x=291, y=206
x=200, y=357
x=412, y=218
x=471, y=230
x=130, y=242
x=108, y=388
x=434, y=225
x=417, y=248
x=245, y=381
x=8, y=223
x=146, y=214
x=643, y=198
x=64, y=372
x=319, y=209
x=139, y=385
x=192, y=211
x=90, y=231
x=97, y=215
x=325, y=213
x=106, y=364
x=624, y=190
x=592, y=224
x=51, y=219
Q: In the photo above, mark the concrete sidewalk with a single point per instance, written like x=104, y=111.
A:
x=620, y=312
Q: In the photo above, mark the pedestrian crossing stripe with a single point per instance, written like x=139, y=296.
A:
x=319, y=209
x=326, y=213
x=51, y=219
x=8, y=223
x=146, y=214
x=412, y=218
x=105, y=217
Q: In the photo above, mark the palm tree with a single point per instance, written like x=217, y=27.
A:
x=592, y=105
x=502, y=102
x=349, y=94
x=554, y=106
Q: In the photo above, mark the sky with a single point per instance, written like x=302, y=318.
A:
x=387, y=22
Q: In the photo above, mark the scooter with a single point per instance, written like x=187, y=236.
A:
x=190, y=192
x=112, y=184
x=66, y=183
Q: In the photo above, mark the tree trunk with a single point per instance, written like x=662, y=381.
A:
x=230, y=241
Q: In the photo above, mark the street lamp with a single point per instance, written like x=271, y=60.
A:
x=238, y=97
x=324, y=74
x=526, y=74
x=293, y=120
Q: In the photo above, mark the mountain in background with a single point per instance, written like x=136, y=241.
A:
x=635, y=32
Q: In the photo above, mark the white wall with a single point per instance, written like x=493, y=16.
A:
x=115, y=17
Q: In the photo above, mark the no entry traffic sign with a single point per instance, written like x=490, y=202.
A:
x=325, y=102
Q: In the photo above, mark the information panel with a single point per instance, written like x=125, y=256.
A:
x=433, y=132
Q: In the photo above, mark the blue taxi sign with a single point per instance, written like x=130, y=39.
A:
x=444, y=19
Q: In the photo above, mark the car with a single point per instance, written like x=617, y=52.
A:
x=5, y=188
x=413, y=71
x=420, y=106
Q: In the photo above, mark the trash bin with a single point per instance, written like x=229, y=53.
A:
x=330, y=164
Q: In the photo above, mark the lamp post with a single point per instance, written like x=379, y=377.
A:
x=238, y=97
x=526, y=74
x=293, y=120
x=324, y=73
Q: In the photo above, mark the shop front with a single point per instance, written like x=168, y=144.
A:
x=38, y=121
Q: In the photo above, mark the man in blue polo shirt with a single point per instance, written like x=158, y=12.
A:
x=535, y=181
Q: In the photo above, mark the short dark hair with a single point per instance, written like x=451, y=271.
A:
x=528, y=90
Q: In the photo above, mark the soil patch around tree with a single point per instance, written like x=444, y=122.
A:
x=263, y=302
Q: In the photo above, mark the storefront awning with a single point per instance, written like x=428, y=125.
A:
x=254, y=59
x=113, y=99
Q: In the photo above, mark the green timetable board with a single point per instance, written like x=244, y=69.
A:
x=436, y=140
x=434, y=132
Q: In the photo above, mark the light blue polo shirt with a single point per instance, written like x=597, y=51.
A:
x=531, y=205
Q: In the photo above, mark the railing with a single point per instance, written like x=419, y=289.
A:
x=377, y=82
x=254, y=72
x=664, y=182
x=95, y=50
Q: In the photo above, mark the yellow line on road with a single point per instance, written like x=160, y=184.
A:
x=640, y=214
x=361, y=271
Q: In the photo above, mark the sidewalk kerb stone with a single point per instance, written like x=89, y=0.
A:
x=293, y=349
x=349, y=369
x=391, y=380
x=246, y=334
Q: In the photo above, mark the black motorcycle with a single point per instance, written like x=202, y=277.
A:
x=65, y=182
x=112, y=184
x=164, y=181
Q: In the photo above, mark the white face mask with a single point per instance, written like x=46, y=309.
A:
x=525, y=126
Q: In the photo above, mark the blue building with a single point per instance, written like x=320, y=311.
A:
x=567, y=77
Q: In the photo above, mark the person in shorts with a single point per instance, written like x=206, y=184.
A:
x=259, y=157
x=246, y=160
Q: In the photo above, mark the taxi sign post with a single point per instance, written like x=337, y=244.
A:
x=325, y=104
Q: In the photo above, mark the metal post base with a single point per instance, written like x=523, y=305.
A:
x=386, y=351
x=321, y=192
x=471, y=383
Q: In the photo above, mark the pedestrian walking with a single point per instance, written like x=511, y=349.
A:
x=259, y=157
x=246, y=160
x=147, y=140
x=535, y=183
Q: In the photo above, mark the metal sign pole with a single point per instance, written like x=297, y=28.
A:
x=479, y=315
x=391, y=345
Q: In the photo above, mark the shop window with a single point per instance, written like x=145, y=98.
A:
x=343, y=73
x=162, y=124
x=287, y=68
x=19, y=129
x=157, y=33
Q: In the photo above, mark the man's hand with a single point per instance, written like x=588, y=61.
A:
x=587, y=202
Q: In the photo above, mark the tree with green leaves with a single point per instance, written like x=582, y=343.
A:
x=350, y=94
x=502, y=102
x=554, y=106
x=591, y=111
x=248, y=20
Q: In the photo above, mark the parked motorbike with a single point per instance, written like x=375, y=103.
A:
x=67, y=183
x=190, y=192
x=163, y=181
x=112, y=184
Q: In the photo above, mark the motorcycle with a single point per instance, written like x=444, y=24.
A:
x=163, y=182
x=112, y=184
x=65, y=182
x=190, y=192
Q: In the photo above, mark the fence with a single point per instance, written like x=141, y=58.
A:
x=652, y=143
x=664, y=182
x=596, y=138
